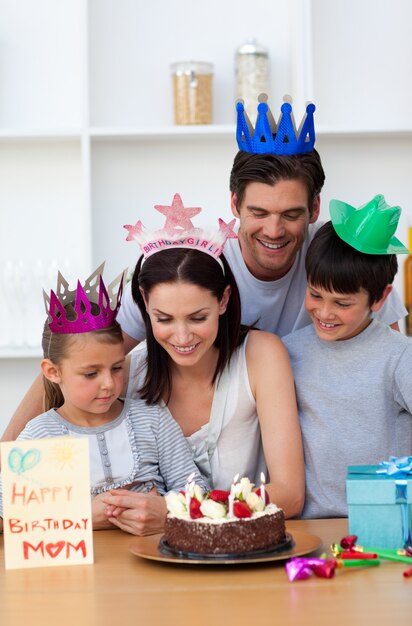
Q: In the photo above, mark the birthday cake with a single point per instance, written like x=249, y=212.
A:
x=222, y=522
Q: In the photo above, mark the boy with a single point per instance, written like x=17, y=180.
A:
x=352, y=373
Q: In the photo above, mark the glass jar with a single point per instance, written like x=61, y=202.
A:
x=252, y=75
x=192, y=92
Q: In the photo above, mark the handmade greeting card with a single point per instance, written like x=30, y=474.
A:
x=46, y=502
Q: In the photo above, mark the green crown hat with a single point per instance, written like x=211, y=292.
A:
x=370, y=228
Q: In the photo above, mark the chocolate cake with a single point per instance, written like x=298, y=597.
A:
x=208, y=524
x=205, y=536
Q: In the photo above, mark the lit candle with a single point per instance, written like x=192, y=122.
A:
x=231, y=497
x=230, y=502
x=262, y=487
x=189, y=484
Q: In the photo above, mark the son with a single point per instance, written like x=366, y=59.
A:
x=353, y=374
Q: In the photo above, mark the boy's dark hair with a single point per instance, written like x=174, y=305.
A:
x=197, y=268
x=271, y=168
x=335, y=266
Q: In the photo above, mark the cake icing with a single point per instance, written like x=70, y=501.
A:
x=223, y=522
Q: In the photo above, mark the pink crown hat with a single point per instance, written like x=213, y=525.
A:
x=179, y=232
x=94, y=291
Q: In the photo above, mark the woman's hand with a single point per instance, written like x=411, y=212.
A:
x=136, y=513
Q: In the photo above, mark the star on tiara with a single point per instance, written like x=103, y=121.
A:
x=179, y=232
x=270, y=137
x=63, y=303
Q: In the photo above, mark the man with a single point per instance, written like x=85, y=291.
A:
x=275, y=185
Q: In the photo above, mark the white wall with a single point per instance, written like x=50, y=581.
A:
x=16, y=377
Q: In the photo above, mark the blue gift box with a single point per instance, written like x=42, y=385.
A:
x=379, y=506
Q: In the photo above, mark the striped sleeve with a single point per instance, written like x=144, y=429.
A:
x=42, y=427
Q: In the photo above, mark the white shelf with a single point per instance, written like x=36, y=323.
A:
x=216, y=131
x=170, y=132
x=39, y=134
x=384, y=132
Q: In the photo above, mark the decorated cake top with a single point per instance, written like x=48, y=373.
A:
x=241, y=502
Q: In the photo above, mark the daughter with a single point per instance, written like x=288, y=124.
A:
x=132, y=445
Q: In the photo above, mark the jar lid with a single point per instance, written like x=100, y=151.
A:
x=188, y=67
x=251, y=46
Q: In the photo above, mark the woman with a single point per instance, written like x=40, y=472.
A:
x=229, y=388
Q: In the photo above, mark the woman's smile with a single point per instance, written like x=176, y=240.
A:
x=185, y=349
x=185, y=321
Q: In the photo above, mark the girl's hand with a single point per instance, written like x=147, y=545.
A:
x=114, y=511
x=99, y=517
x=136, y=513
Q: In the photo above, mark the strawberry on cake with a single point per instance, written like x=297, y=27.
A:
x=222, y=522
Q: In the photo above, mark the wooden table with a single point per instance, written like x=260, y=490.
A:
x=122, y=589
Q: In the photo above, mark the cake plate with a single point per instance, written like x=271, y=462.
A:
x=155, y=549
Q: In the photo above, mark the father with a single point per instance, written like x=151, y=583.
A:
x=275, y=185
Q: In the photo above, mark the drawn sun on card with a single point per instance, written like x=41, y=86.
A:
x=63, y=455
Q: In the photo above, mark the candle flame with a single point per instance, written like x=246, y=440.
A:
x=262, y=477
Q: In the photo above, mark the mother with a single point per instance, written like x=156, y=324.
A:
x=229, y=388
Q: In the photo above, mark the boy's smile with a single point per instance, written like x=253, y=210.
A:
x=337, y=316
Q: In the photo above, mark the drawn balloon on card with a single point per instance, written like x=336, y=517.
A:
x=20, y=462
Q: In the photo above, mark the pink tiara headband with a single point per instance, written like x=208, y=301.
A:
x=179, y=232
x=93, y=291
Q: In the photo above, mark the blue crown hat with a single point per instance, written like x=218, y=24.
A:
x=271, y=138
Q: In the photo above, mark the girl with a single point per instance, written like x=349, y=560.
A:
x=230, y=389
x=132, y=445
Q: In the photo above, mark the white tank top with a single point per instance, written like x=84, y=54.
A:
x=230, y=443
